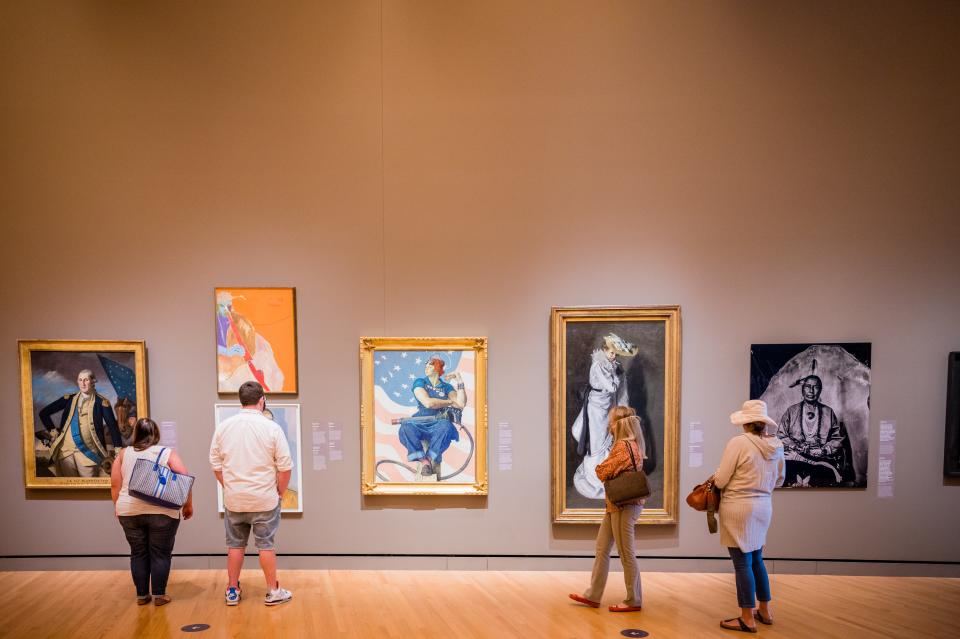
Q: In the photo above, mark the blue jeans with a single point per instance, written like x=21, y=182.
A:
x=751, y=576
x=438, y=433
x=151, y=540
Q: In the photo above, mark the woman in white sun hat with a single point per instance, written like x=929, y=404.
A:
x=751, y=467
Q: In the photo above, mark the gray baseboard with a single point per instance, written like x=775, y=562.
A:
x=468, y=563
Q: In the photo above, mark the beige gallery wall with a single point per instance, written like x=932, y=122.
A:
x=785, y=172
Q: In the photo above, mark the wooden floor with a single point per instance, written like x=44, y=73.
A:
x=448, y=605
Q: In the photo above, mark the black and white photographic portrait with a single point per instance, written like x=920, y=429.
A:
x=819, y=394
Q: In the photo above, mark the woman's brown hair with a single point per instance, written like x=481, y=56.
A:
x=146, y=433
x=757, y=428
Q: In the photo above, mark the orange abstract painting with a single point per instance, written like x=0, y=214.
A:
x=256, y=338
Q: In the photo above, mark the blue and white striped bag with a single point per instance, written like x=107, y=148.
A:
x=153, y=482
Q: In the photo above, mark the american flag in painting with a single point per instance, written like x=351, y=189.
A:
x=394, y=374
x=121, y=377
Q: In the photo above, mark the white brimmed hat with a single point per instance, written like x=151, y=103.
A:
x=753, y=410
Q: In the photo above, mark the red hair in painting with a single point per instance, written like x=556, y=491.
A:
x=437, y=364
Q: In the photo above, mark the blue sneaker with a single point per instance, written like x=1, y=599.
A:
x=233, y=595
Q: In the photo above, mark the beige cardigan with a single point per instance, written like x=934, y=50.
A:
x=751, y=467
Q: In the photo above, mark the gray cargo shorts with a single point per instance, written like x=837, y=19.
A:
x=264, y=525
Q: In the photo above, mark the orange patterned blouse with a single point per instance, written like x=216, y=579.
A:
x=617, y=462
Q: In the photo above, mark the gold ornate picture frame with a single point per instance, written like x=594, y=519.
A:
x=601, y=357
x=423, y=415
x=68, y=443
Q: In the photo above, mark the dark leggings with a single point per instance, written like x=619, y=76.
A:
x=151, y=540
x=751, y=576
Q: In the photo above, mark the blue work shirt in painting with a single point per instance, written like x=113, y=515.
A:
x=441, y=391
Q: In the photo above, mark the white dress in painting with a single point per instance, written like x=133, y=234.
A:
x=608, y=388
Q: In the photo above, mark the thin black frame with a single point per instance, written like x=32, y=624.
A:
x=951, y=442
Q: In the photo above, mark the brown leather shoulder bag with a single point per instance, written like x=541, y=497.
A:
x=706, y=497
x=628, y=485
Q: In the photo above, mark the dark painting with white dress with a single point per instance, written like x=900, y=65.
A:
x=819, y=395
x=611, y=365
x=606, y=360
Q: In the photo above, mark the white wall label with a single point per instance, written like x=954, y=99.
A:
x=318, y=431
x=887, y=458
x=695, y=446
x=319, y=459
x=319, y=434
x=505, y=446
x=168, y=434
x=335, y=436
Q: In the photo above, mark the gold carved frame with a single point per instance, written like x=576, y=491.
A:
x=369, y=483
x=670, y=316
x=27, y=347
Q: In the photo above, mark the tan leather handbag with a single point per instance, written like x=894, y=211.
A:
x=706, y=497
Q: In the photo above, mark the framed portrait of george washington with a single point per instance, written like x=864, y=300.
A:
x=79, y=400
x=423, y=415
x=600, y=358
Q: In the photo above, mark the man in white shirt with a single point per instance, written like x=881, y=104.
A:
x=250, y=456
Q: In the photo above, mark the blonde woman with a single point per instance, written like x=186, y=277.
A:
x=619, y=521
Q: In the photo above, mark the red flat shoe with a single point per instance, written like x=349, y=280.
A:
x=584, y=601
x=619, y=608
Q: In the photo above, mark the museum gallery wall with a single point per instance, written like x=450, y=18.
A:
x=413, y=176
x=423, y=412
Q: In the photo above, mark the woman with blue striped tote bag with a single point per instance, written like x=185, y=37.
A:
x=150, y=489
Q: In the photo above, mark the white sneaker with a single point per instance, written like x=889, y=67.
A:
x=277, y=596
